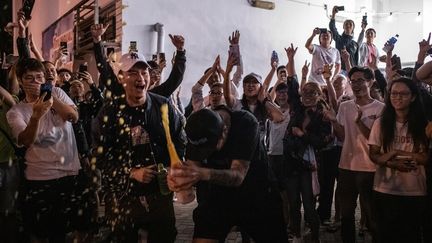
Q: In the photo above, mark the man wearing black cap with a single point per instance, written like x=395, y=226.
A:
x=224, y=162
x=130, y=144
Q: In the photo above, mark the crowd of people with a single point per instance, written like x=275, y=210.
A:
x=254, y=151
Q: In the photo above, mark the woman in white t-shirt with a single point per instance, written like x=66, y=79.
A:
x=399, y=148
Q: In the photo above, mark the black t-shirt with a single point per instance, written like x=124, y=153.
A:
x=242, y=144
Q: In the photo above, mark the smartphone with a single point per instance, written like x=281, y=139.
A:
x=63, y=46
x=323, y=30
x=396, y=62
x=364, y=19
x=235, y=50
x=340, y=8
x=133, y=46
x=161, y=57
x=46, y=88
x=82, y=68
x=274, y=57
x=27, y=8
x=11, y=59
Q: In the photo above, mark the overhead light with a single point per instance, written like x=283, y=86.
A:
x=262, y=4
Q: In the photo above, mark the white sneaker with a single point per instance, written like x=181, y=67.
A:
x=297, y=240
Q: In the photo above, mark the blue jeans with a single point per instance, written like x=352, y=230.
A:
x=299, y=184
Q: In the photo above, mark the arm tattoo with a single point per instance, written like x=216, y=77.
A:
x=232, y=177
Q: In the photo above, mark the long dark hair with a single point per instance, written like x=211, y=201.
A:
x=416, y=118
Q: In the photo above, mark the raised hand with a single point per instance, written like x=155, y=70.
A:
x=178, y=41
x=86, y=77
x=345, y=56
x=425, y=46
x=97, y=31
x=291, y=51
x=22, y=24
x=327, y=71
x=216, y=64
x=234, y=38
x=41, y=107
x=144, y=174
x=316, y=31
x=305, y=69
x=334, y=11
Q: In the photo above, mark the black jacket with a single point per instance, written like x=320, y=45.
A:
x=346, y=41
x=114, y=146
x=317, y=134
x=108, y=78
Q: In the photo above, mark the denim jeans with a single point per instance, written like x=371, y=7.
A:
x=352, y=184
x=300, y=184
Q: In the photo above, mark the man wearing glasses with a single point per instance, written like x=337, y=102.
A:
x=356, y=171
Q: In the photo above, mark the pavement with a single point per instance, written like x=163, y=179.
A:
x=185, y=227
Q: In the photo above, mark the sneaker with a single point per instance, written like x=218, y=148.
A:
x=297, y=240
x=326, y=222
x=333, y=227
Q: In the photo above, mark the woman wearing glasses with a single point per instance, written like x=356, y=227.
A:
x=399, y=148
x=306, y=134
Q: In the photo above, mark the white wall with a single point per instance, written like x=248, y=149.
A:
x=206, y=25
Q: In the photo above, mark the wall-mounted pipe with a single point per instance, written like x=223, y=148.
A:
x=159, y=28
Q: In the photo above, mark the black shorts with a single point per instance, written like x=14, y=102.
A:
x=261, y=218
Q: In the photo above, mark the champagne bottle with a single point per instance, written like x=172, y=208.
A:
x=175, y=160
x=188, y=195
x=162, y=179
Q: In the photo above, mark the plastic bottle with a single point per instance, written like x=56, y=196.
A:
x=162, y=179
x=391, y=42
x=274, y=57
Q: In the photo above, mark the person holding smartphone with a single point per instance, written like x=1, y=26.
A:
x=344, y=41
x=399, y=148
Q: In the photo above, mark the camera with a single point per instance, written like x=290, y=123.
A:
x=46, y=88
x=133, y=46
x=340, y=8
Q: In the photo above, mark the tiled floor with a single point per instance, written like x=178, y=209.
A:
x=185, y=228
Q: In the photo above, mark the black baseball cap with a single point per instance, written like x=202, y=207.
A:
x=203, y=129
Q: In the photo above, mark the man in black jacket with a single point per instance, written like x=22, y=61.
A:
x=130, y=143
x=109, y=80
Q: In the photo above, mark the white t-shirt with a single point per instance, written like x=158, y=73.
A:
x=391, y=181
x=54, y=153
x=277, y=133
x=321, y=56
x=355, y=149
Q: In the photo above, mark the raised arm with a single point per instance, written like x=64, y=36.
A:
x=107, y=77
x=332, y=25
x=234, y=40
x=197, y=94
x=229, y=98
x=305, y=71
x=175, y=78
x=22, y=42
x=309, y=44
x=291, y=51
x=35, y=50
x=423, y=72
x=327, y=74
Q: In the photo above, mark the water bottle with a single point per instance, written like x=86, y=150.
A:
x=391, y=42
x=162, y=179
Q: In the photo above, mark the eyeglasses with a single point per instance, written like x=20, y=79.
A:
x=359, y=81
x=215, y=93
x=400, y=94
x=309, y=93
x=31, y=78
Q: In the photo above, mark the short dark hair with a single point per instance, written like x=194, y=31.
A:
x=371, y=29
x=28, y=64
x=279, y=68
x=367, y=72
x=64, y=70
